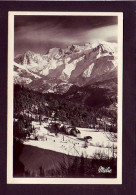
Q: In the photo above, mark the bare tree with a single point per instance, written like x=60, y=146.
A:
x=111, y=136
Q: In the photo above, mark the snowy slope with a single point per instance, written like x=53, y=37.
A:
x=22, y=75
x=73, y=65
x=71, y=145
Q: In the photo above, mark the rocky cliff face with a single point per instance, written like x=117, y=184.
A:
x=58, y=69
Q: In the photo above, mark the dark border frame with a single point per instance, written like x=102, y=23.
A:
x=129, y=48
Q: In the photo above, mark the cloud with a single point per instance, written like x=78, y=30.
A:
x=106, y=33
x=39, y=34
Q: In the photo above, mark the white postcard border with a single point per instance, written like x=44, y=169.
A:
x=10, y=179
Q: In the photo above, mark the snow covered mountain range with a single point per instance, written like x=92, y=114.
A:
x=59, y=69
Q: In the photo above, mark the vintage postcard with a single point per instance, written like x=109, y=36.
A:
x=65, y=73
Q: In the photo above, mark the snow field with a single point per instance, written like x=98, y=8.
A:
x=71, y=145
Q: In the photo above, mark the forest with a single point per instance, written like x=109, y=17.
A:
x=32, y=105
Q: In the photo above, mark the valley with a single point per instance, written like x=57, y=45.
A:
x=65, y=107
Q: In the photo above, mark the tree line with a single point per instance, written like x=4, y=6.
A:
x=31, y=105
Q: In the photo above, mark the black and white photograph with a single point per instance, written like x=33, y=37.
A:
x=65, y=97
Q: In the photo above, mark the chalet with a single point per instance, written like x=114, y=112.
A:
x=75, y=131
x=72, y=131
x=63, y=128
x=56, y=126
x=88, y=138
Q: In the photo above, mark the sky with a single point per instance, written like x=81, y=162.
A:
x=40, y=33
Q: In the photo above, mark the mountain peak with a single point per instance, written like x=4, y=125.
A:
x=103, y=46
x=29, y=52
x=76, y=64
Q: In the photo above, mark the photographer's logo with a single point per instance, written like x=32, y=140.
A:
x=104, y=169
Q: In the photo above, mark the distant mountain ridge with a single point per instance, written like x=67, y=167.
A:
x=58, y=69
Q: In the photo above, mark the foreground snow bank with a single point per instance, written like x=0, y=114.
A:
x=75, y=146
